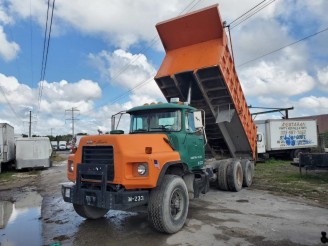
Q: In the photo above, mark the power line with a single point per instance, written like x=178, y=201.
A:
x=248, y=14
x=283, y=47
x=9, y=104
x=31, y=44
x=46, y=43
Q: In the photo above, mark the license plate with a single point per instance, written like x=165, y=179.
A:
x=90, y=200
x=136, y=198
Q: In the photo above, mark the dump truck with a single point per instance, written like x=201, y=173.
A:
x=7, y=144
x=288, y=137
x=204, y=135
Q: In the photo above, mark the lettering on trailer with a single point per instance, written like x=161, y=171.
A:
x=293, y=134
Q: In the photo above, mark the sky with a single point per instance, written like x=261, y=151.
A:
x=104, y=54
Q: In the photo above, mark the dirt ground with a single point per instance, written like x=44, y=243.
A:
x=249, y=217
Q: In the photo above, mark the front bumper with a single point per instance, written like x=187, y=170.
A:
x=121, y=200
x=99, y=196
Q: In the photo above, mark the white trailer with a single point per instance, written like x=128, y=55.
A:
x=33, y=152
x=286, y=136
x=54, y=145
x=7, y=144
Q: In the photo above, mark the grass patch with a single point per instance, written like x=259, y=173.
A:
x=282, y=177
x=7, y=176
x=57, y=157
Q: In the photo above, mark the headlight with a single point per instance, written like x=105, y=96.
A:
x=140, y=169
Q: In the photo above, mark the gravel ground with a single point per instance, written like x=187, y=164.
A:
x=249, y=217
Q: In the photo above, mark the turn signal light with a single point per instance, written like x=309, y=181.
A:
x=148, y=150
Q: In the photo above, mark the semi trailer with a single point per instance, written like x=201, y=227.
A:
x=173, y=151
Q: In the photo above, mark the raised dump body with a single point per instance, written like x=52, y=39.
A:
x=198, y=57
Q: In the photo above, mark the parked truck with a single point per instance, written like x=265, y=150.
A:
x=7, y=144
x=286, y=137
x=161, y=161
x=54, y=145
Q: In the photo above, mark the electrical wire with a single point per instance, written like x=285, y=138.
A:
x=283, y=47
x=43, y=53
x=31, y=44
x=9, y=104
x=46, y=44
x=248, y=14
x=47, y=49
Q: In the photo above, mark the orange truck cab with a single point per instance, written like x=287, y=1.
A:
x=161, y=161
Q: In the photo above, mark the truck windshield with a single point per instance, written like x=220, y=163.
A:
x=158, y=121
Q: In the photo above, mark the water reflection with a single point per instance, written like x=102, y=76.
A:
x=19, y=222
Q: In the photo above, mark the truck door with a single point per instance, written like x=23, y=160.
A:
x=260, y=143
x=194, y=142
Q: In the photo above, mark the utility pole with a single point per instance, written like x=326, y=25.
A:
x=73, y=119
x=29, y=121
x=30, y=125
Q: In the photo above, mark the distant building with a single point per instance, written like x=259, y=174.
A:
x=322, y=121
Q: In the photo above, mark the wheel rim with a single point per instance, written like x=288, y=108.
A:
x=176, y=204
x=239, y=176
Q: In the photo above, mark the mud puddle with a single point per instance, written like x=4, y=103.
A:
x=20, y=220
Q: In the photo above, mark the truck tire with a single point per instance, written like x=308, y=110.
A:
x=90, y=212
x=235, y=175
x=248, y=172
x=222, y=176
x=168, y=205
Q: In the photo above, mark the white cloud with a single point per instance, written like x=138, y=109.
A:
x=271, y=79
x=16, y=93
x=63, y=90
x=130, y=71
x=57, y=97
x=322, y=75
x=4, y=17
x=315, y=103
x=8, y=50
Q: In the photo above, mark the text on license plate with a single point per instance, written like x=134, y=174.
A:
x=135, y=198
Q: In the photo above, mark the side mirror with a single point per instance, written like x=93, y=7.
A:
x=198, y=119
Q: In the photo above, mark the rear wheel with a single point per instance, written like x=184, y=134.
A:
x=90, y=212
x=168, y=205
x=248, y=172
x=235, y=175
x=222, y=175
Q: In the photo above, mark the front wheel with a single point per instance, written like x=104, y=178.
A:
x=168, y=205
x=90, y=212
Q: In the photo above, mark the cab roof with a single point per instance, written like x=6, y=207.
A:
x=160, y=106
